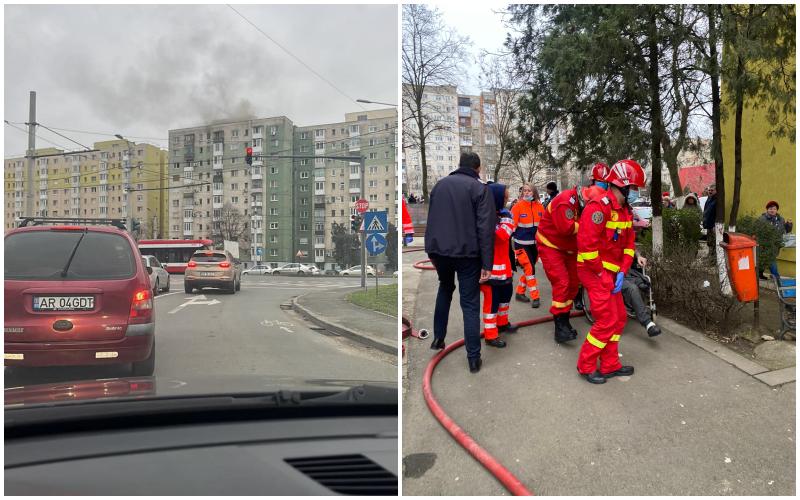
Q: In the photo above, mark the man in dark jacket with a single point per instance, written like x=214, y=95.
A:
x=459, y=240
x=709, y=218
x=552, y=192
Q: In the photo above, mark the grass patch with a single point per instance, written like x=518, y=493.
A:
x=385, y=300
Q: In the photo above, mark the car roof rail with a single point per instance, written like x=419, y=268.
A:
x=38, y=221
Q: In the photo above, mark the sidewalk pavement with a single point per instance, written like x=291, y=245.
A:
x=331, y=310
x=688, y=422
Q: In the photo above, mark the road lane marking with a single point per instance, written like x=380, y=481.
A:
x=196, y=300
x=165, y=294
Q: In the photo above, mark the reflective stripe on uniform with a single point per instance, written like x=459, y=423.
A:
x=561, y=304
x=507, y=229
x=619, y=225
x=489, y=315
x=499, y=267
x=576, y=228
x=525, y=242
x=592, y=340
x=614, y=338
x=629, y=251
x=525, y=224
x=582, y=256
x=610, y=266
x=545, y=241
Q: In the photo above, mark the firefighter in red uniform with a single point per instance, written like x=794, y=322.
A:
x=598, y=187
x=408, y=227
x=605, y=253
x=556, y=240
x=498, y=289
x=527, y=213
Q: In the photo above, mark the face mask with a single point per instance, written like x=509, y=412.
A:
x=632, y=196
x=603, y=185
x=527, y=198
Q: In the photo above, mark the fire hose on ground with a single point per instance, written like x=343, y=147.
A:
x=495, y=468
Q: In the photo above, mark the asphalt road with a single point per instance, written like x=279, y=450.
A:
x=212, y=333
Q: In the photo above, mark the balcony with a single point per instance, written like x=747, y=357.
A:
x=255, y=190
x=319, y=245
x=258, y=149
x=320, y=258
x=43, y=196
x=216, y=205
x=256, y=217
x=354, y=190
x=319, y=179
x=187, y=219
x=258, y=135
x=256, y=204
x=355, y=133
x=216, y=192
x=258, y=161
x=318, y=192
x=355, y=176
x=256, y=176
x=319, y=232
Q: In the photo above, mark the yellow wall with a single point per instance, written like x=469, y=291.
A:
x=764, y=176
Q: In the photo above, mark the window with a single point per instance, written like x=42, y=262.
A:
x=304, y=201
x=273, y=225
x=386, y=155
x=319, y=186
x=303, y=162
x=273, y=184
x=333, y=213
x=234, y=186
x=273, y=211
x=274, y=170
x=187, y=227
x=273, y=238
x=319, y=145
x=274, y=197
x=373, y=184
x=304, y=149
x=304, y=175
x=234, y=199
x=373, y=197
x=372, y=129
x=273, y=252
x=373, y=156
x=274, y=143
x=304, y=214
x=303, y=135
x=235, y=133
x=303, y=188
x=273, y=130
x=234, y=173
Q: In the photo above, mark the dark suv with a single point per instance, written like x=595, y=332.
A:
x=77, y=294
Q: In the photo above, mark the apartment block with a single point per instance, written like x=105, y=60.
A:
x=91, y=184
x=286, y=206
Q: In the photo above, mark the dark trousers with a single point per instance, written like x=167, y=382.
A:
x=468, y=271
x=633, y=298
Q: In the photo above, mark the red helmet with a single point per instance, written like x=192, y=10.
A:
x=626, y=173
x=599, y=171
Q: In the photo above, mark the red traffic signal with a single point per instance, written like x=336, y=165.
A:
x=249, y=157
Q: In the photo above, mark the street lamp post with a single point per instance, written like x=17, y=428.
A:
x=128, y=195
x=365, y=101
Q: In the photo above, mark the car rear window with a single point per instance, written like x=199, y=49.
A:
x=201, y=257
x=42, y=255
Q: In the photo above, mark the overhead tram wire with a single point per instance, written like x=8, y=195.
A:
x=37, y=135
x=296, y=58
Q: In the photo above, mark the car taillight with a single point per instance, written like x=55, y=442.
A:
x=141, y=307
x=191, y=264
x=225, y=264
x=66, y=228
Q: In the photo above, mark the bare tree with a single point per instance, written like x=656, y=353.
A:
x=232, y=225
x=433, y=54
x=501, y=77
x=529, y=168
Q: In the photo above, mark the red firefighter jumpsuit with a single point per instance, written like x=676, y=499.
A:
x=527, y=215
x=557, y=248
x=497, y=293
x=605, y=247
x=408, y=227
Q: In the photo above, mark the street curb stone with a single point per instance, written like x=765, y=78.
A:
x=340, y=330
x=762, y=373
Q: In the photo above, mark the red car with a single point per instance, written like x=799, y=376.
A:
x=77, y=294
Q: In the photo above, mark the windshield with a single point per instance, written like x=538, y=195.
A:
x=43, y=255
x=214, y=233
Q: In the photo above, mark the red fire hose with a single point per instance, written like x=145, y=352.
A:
x=506, y=478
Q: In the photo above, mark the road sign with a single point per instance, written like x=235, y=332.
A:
x=259, y=250
x=362, y=205
x=376, y=244
x=376, y=222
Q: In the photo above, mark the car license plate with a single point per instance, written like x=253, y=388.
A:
x=46, y=303
x=208, y=274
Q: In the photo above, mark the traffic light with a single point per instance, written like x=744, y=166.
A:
x=355, y=222
x=249, y=157
x=135, y=225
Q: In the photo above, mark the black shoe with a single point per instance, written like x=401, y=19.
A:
x=437, y=344
x=622, y=372
x=653, y=331
x=568, y=325
x=496, y=343
x=562, y=332
x=474, y=365
x=509, y=328
x=535, y=303
x=522, y=297
x=594, y=377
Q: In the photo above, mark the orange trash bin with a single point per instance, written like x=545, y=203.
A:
x=741, y=255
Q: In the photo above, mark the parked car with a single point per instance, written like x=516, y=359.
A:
x=76, y=295
x=213, y=268
x=356, y=271
x=159, y=278
x=258, y=269
x=314, y=270
x=293, y=268
x=331, y=272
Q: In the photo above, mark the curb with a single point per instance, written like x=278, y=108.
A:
x=772, y=378
x=340, y=330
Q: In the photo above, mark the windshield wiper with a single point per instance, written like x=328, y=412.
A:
x=72, y=255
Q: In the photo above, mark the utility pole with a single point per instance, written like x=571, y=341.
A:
x=29, y=191
x=128, y=193
x=362, y=169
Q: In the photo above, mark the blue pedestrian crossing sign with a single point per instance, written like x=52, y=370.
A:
x=376, y=223
x=376, y=244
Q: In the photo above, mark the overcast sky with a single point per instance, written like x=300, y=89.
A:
x=142, y=70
